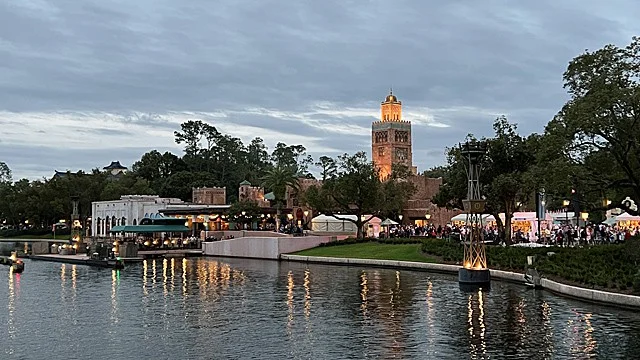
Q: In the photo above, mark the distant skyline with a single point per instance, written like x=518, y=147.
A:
x=84, y=83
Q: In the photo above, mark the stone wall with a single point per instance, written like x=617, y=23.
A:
x=420, y=203
x=209, y=195
x=262, y=247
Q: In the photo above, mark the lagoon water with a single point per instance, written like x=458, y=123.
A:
x=206, y=308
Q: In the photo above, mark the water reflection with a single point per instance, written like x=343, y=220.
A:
x=165, y=291
x=115, y=281
x=11, y=306
x=581, y=334
x=290, y=286
x=184, y=277
x=364, y=290
x=307, y=294
x=357, y=313
x=145, y=271
x=476, y=327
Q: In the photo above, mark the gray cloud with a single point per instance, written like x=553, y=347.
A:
x=126, y=69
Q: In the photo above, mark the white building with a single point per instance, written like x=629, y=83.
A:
x=129, y=210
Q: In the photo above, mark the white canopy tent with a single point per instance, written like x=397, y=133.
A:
x=345, y=224
x=462, y=218
x=324, y=223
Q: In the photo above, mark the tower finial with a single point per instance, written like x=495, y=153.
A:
x=391, y=90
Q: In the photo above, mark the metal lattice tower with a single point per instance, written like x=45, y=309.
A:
x=474, y=250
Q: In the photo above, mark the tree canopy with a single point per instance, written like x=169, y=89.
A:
x=210, y=158
x=355, y=188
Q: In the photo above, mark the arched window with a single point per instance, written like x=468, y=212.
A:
x=113, y=221
x=123, y=222
x=135, y=221
x=98, y=227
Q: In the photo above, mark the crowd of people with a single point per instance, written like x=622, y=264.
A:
x=560, y=235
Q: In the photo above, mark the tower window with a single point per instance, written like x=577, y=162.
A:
x=402, y=154
x=381, y=136
x=381, y=151
x=402, y=136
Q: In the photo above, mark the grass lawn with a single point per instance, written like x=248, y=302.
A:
x=371, y=250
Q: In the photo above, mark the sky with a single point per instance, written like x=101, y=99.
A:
x=84, y=83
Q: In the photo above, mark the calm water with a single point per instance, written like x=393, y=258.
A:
x=242, y=309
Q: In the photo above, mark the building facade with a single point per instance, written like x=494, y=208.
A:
x=391, y=138
x=209, y=195
x=391, y=143
x=128, y=210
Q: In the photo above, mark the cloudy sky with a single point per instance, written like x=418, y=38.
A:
x=86, y=82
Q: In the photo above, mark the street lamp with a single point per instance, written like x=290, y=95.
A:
x=566, y=203
x=584, y=216
x=427, y=216
x=400, y=217
x=244, y=213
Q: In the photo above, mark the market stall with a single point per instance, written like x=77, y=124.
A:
x=625, y=220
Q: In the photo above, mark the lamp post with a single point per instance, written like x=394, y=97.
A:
x=427, y=216
x=566, y=203
x=305, y=221
x=585, y=216
x=400, y=218
x=474, y=272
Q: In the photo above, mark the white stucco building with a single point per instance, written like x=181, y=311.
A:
x=129, y=210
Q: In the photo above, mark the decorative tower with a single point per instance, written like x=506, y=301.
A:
x=474, y=272
x=391, y=137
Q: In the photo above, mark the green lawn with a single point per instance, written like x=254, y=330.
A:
x=371, y=250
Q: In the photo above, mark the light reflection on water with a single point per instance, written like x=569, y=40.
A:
x=233, y=308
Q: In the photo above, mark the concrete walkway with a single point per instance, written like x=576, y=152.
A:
x=597, y=296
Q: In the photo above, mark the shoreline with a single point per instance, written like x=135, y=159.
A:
x=631, y=302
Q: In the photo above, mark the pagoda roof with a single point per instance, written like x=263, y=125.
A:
x=245, y=182
x=114, y=165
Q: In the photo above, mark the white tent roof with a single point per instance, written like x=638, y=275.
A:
x=340, y=218
x=463, y=217
x=625, y=217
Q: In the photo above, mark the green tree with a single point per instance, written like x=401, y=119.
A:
x=328, y=167
x=355, y=189
x=505, y=176
x=244, y=212
x=277, y=180
x=5, y=173
x=293, y=157
x=595, y=135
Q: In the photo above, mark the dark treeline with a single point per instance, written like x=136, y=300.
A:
x=210, y=159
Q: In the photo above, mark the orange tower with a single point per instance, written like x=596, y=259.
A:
x=391, y=137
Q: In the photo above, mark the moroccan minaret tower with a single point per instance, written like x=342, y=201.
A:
x=391, y=137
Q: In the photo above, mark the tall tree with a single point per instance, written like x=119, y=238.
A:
x=5, y=173
x=293, y=157
x=596, y=134
x=355, y=189
x=328, y=167
x=505, y=175
x=277, y=180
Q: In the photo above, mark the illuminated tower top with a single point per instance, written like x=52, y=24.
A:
x=391, y=108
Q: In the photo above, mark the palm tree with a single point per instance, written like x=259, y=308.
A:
x=277, y=180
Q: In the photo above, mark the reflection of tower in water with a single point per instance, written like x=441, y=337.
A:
x=476, y=325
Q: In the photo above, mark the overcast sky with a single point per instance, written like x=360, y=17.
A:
x=83, y=83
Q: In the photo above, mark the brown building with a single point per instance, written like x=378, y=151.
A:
x=391, y=143
x=209, y=195
x=247, y=192
x=391, y=137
